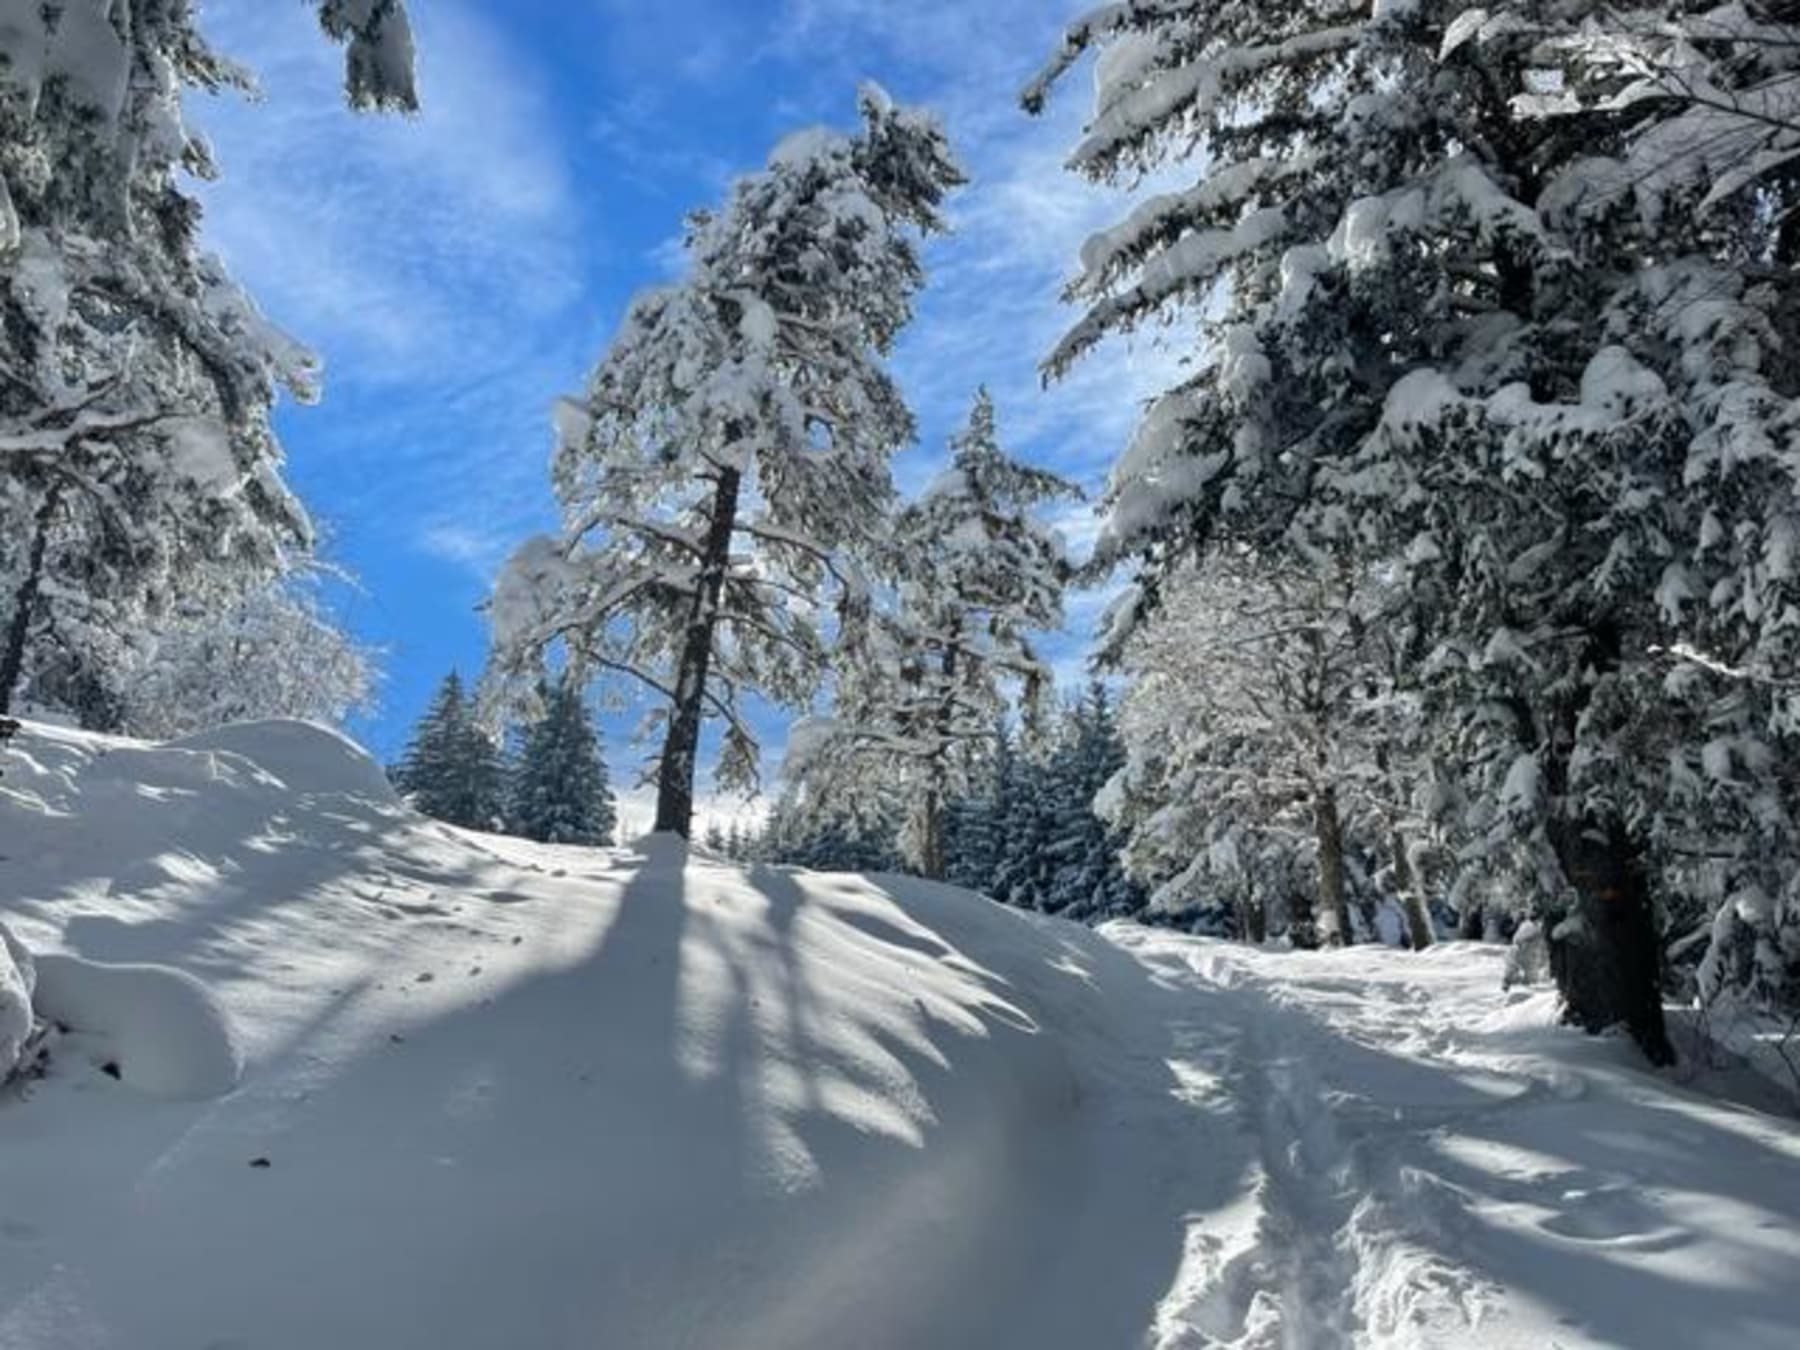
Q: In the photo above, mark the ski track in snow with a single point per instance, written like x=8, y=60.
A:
x=509, y=1094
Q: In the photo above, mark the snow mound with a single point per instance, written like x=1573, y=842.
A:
x=17, y=977
x=162, y=1029
x=642, y=1098
x=306, y=757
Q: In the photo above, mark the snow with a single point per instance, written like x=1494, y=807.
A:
x=502, y=1093
x=161, y=1029
x=17, y=976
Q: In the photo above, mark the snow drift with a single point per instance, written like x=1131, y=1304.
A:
x=498, y=1093
x=158, y=1029
x=18, y=977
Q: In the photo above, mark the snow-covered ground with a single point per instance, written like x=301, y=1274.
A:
x=489, y=1093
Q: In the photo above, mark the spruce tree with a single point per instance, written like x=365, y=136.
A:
x=559, y=792
x=976, y=575
x=1088, y=881
x=451, y=769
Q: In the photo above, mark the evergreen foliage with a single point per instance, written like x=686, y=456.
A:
x=727, y=470
x=136, y=378
x=921, y=685
x=558, y=792
x=452, y=769
x=1460, y=329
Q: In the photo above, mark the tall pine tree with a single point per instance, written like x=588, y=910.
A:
x=977, y=574
x=1456, y=329
x=729, y=461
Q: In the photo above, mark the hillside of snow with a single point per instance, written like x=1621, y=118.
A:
x=331, y=1074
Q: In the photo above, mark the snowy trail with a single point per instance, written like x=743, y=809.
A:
x=517, y=1095
x=1438, y=1164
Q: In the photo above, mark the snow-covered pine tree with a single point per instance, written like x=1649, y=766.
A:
x=1475, y=344
x=1087, y=880
x=558, y=792
x=729, y=461
x=135, y=378
x=975, y=834
x=451, y=770
x=976, y=575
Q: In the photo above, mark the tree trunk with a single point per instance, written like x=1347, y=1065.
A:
x=25, y=598
x=931, y=834
x=1334, y=913
x=1412, y=899
x=1605, y=954
x=932, y=862
x=1253, y=923
x=681, y=744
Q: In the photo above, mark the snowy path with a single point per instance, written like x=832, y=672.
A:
x=1435, y=1163
x=558, y=1098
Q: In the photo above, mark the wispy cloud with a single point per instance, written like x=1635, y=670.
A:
x=433, y=261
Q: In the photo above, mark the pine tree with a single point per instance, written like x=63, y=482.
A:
x=976, y=576
x=729, y=461
x=1461, y=341
x=136, y=379
x=451, y=770
x=559, y=792
x=1088, y=882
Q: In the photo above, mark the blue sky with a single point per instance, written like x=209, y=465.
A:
x=457, y=271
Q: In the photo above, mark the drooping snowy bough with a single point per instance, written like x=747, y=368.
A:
x=1484, y=346
x=137, y=457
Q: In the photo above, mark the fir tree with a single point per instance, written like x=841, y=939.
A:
x=559, y=793
x=1088, y=881
x=451, y=770
x=976, y=574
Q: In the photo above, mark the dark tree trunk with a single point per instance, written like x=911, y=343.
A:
x=1253, y=923
x=25, y=599
x=931, y=834
x=1471, y=921
x=1303, y=929
x=1334, y=912
x=1412, y=898
x=1606, y=962
x=932, y=860
x=681, y=743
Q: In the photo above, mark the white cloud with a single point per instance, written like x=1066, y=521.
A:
x=435, y=262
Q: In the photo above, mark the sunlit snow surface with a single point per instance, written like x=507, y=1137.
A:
x=514, y=1095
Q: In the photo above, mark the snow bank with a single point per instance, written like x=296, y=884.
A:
x=160, y=1029
x=17, y=977
x=499, y=1093
x=306, y=757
